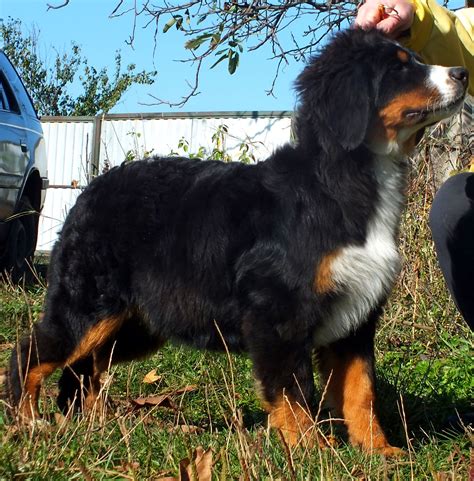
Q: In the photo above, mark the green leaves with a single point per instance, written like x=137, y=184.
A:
x=233, y=61
x=176, y=20
x=195, y=43
x=212, y=38
x=169, y=24
x=233, y=58
x=51, y=86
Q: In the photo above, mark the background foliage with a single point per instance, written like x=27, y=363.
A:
x=66, y=84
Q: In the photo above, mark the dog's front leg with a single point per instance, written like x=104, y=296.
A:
x=347, y=368
x=284, y=375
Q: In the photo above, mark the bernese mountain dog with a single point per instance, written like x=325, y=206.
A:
x=285, y=259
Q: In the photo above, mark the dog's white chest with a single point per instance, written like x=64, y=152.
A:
x=364, y=275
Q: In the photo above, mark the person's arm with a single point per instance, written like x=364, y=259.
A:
x=439, y=35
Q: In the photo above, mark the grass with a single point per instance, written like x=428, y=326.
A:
x=425, y=373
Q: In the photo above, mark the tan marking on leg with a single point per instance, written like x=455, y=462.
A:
x=290, y=418
x=92, y=398
x=352, y=393
x=95, y=338
x=323, y=281
x=28, y=408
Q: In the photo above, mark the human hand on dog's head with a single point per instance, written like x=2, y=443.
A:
x=392, y=17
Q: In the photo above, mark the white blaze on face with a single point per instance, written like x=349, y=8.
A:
x=447, y=87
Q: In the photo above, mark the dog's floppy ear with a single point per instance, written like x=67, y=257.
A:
x=335, y=104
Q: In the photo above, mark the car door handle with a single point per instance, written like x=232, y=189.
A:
x=24, y=147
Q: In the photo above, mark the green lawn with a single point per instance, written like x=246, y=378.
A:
x=425, y=372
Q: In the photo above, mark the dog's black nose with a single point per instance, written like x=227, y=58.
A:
x=460, y=74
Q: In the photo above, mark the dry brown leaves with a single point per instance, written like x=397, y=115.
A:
x=199, y=468
x=163, y=400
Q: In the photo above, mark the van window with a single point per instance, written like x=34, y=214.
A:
x=7, y=97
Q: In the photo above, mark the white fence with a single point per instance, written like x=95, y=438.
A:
x=79, y=148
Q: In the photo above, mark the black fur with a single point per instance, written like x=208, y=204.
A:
x=180, y=247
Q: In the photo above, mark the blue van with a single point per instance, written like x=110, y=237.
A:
x=23, y=174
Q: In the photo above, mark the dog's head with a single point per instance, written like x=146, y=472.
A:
x=364, y=88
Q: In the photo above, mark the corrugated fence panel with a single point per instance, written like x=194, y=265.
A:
x=57, y=205
x=125, y=138
x=69, y=147
x=72, y=145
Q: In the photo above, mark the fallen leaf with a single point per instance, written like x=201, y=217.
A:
x=184, y=466
x=163, y=400
x=189, y=388
x=151, y=377
x=202, y=462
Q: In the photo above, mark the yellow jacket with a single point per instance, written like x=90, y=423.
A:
x=443, y=37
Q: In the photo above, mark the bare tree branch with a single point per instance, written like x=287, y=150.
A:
x=221, y=31
x=192, y=93
x=55, y=7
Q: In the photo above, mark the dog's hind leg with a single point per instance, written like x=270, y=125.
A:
x=48, y=348
x=347, y=368
x=34, y=358
x=80, y=383
x=75, y=384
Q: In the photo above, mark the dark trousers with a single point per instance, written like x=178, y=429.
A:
x=452, y=226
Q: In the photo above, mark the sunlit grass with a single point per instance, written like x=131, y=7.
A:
x=424, y=367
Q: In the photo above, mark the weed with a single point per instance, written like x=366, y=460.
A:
x=425, y=373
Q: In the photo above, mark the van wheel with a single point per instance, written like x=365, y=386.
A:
x=21, y=244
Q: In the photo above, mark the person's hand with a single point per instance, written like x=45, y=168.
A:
x=389, y=16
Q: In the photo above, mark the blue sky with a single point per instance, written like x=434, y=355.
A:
x=87, y=23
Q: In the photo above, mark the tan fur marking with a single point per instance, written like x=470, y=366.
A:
x=95, y=338
x=352, y=394
x=403, y=56
x=29, y=404
x=92, y=398
x=392, y=114
x=290, y=418
x=323, y=281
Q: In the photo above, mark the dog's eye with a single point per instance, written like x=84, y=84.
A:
x=400, y=66
x=415, y=115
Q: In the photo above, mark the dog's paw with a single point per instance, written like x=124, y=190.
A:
x=390, y=451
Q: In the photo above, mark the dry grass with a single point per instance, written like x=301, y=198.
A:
x=195, y=399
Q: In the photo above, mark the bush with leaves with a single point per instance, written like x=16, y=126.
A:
x=53, y=87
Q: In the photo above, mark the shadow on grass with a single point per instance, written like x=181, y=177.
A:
x=403, y=413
